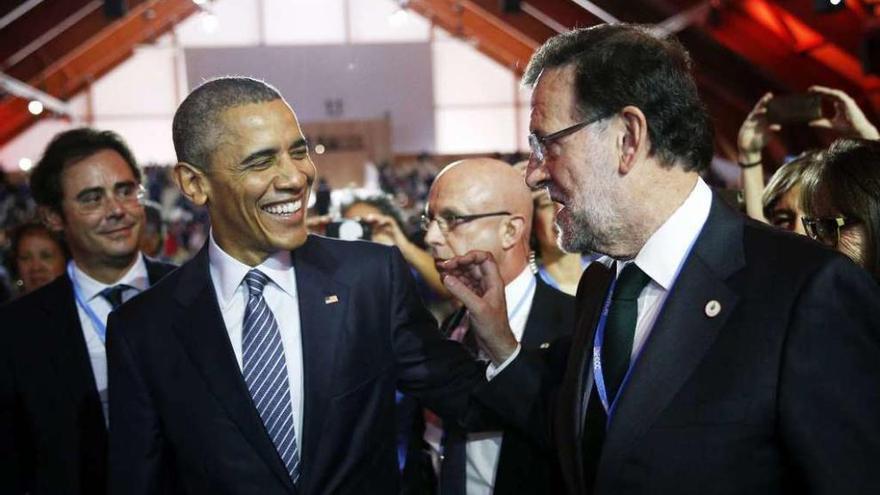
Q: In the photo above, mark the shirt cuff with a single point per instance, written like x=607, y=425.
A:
x=492, y=370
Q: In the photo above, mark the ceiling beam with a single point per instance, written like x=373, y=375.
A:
x=89, y=60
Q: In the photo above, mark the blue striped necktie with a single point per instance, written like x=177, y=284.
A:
x=265, y=372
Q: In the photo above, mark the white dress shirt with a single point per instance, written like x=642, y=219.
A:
x=90, y=291
x=482, y=449
x=227, y=276
x=661, y=259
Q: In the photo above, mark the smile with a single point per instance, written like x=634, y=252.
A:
x=283, y=209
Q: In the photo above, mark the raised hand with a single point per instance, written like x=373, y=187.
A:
x=848, y=118
x=754, y=133
x=474, y=280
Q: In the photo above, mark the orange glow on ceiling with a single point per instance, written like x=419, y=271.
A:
x=783, y=24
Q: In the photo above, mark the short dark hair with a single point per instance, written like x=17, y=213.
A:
x=70, y=147
x=382, y=202
x=786, y=177
x=626, y=64
x=847, y=176
x=197, y=123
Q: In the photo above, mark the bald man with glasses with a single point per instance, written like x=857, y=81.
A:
x=484, y=204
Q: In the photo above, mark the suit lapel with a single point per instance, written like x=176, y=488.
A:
x=69, y=352
x=541, y=316
x=156, y=270
x=200, y=327
x=591, y=292
x=323, y=305
x=682, y=333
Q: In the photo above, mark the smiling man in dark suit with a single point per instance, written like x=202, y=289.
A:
x=484, y=204
x=269, y=362
x=53, y=368
x=712, y=355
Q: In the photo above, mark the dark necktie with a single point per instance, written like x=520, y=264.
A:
x=265, y=372
x=113, y=295
x=620, y=330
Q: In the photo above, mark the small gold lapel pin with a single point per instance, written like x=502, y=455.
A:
x=713, y=307
x=331, y=299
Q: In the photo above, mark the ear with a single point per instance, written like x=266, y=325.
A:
x=512, y=231
x=192, y=182
x=633, y=141
x=51, y=218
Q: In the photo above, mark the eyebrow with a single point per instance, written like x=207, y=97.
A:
x=117, y=185
x=269, y=152
x=299, y=143
x=90, y=190
x=263, y=153
x=449, y=212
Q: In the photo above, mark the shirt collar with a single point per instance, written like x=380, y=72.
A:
x=136, y=277
x=665, y=251
x=518, y=288
x=228, y=273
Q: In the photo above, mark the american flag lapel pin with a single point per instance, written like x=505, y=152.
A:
x=331, y=299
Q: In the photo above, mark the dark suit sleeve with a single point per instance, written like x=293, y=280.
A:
x=136, y=445
x=13, y=447
x=829, y=395
x=437, y=371
x=523, y=395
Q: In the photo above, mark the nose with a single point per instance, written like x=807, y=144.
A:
x=114, y=205
x=536, y=173
x=295, y=174
x=433, y=236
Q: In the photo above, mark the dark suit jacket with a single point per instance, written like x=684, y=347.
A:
x=51, y=423
x=522, y=466
x=180, y=405
x=777, y=393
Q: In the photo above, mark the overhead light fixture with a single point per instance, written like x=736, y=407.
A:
x=25, y=164
x=828, y=6
x=320, y=149
x=35, y=107
x=210, y=23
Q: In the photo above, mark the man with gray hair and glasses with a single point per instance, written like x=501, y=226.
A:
x=712, y=354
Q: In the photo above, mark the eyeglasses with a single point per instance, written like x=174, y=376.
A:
x=826, y=230
x=538, y=144
x=447, y=223
x=95, y=200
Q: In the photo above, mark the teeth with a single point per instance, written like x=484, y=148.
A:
x=284, y=208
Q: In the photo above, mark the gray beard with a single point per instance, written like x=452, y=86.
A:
x=594, y=228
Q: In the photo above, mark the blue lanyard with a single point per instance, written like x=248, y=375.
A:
x=598, y=376
x=598, y=339
x=99, y=326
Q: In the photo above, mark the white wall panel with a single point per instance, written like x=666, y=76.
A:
x=464, y=76
x=482, y=130
x=142, y=85
x=305, y=22
x=148, y=138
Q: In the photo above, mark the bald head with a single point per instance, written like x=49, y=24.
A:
x=481, y=186
x=488, y=183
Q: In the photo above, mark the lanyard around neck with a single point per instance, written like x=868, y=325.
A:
x=98, y=324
